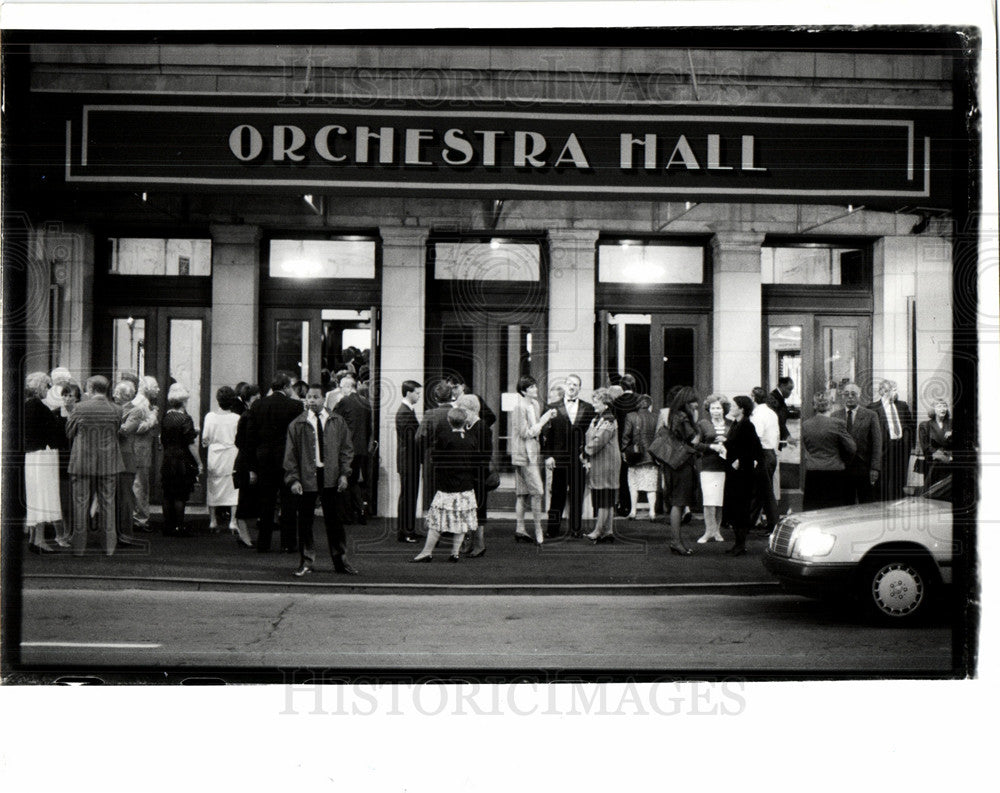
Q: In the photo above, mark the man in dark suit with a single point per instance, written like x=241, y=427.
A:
x=777, y=403
x=863, y=471
x=458, y=388
x=407, y=462
x=562, y=442
x=357, y=412
x=896, y=422
x=267, y=430
x=433, y=424
x=627, y=403
x=94, y=462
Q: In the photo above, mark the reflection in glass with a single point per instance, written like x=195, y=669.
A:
x=291, y=348
x=184, y=352
x=678, y=359
x=840, y=350
x=345, y=258
x=650, y=264
x=816, y=266
x=487, y=261
x=150, y=256
x=785, y=360
x=128, y=346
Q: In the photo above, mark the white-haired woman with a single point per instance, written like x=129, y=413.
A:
x=41, y=463
x=181, y=464
x=482, y=437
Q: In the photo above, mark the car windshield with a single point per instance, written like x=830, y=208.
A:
x=939, y=491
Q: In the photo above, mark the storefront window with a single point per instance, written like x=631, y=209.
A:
x=150, y=256
x=185, y=361
x=291, y=352
x=628, y=262
x=343, y=258
x=813, y=266
x=487, y=261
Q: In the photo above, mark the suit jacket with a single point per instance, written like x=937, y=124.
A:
x=132, y=416
x=563, y=439
x=934, y=438
x=906, y=422
x=300, y=453
x=267, y=428
x=407, y=452
x=357, y=412
x=826, y=444
x=782, y=410
x=93, y=428
x=868, y=437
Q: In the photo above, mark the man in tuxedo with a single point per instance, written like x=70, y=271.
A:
x=357, y=412
x=777, y=399
x=896, y=422
x=562, y=442
x=407, y=462
x=458, y=388
x=627, y=403
x=863, y=470
x=267, y=430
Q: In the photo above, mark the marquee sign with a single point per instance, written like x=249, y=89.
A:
x=765, y=155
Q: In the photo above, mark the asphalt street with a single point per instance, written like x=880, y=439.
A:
x=77, y=628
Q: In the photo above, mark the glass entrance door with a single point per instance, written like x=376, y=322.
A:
x=819, y=353
x=659, y=350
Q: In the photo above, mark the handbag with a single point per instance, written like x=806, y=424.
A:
x=493, y=480
x=669, y=451
x=634, y=453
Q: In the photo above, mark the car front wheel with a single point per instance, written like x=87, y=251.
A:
x=896, y=591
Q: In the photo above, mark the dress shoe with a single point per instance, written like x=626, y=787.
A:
x=304, y=570
x=453, y=558
x=345, y=569
x=539, y=537
x=576, y=535
x=406, y=538
x=477, y=554
x=63, y=542
x=680, y=550
x=520, y=536
x=422, y=559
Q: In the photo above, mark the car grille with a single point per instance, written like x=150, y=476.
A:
x=781, y=537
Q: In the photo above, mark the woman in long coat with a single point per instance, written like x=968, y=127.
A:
x=482, y=437
x=935, y=442
x=743, y=454
x=602, y=459
x=679, y=481
x=527, y=423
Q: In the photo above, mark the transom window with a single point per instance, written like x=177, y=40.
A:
x=639, y=262
x=155, y=256
x=340, y=258
x=496, y=260
x=812, y=265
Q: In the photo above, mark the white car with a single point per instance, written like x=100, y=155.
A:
x=894, y=556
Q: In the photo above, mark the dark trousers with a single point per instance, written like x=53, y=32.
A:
x=271, y=491
x=336, y=537
x=124, y=504
x=763, y=500
x=895, y=459
x=568, y=479
x=84, y=488
x=624, y=497
x=823, y=489
x=858, y=488
x=357, y=485
x=406, y=508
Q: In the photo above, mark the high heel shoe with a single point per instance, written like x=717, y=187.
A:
x=243, y=543
x=421, y=559
x=453, y=558
x=520, y=536
x=539, y=537
x=703, y=539
x=681, y=550
x=477, y=554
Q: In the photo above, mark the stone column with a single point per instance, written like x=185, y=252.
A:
x=401, y=344
x=572, y=255
x=736, y=315
x=235, y=306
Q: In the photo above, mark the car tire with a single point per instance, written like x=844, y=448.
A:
x=896, y=590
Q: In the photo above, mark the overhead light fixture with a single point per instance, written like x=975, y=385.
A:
x=144, y=197
x=315, y=203
x=495, y=244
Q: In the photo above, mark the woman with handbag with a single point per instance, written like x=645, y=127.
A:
x=714, y=428
x=640, y=427
x=682, y=441
x=935, y=442
x=181, y=464
x=743, y=454
x=602, y=460
x=482, y=456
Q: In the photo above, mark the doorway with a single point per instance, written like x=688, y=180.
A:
x=819, y=353
x=169, y=343
x=659, y=350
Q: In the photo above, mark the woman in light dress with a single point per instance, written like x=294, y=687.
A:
x=714, y=428
x=219, y=435
x=527, y=423
x=41, y=463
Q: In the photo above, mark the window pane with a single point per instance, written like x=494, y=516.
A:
x=840, y=359
x=147, y=256
x=650, y=264
x=811, y=266
x=678, y=359
x=785, y=360
x=291, y=348
x=322, y=259
x=128, y=346
x=486, y=261
x=185, y=362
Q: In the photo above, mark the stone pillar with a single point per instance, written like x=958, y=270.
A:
x=919, y=268
x=573, y=254
x=60, y=257
x=235, y=307
x=736, y=315
x=401, y=344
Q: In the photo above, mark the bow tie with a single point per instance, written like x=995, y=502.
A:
x=571, y=401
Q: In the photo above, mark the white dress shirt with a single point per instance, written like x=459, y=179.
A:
x=572, y=406
x=313, y=419
x=765, y=421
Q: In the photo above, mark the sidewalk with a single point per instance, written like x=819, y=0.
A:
x=639, y=561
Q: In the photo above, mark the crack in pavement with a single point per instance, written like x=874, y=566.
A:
x=275, y=623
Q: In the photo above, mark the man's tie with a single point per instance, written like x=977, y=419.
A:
x=897, y=430
x=850, y=419
x=319, y=436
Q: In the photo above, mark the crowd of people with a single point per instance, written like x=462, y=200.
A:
x=272, y=457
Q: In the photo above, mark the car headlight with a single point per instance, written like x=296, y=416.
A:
x=812, y=541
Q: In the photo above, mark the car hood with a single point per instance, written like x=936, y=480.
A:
x=868, y=513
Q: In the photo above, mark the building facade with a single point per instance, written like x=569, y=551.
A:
x=211, y=212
